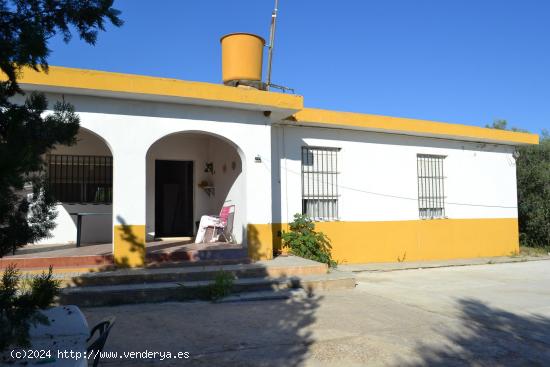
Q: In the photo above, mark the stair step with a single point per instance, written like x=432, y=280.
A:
x=265, y=296
x=105, y=262
x=274, y=269
x=103, y=295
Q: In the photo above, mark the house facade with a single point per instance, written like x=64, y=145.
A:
x=154, y=155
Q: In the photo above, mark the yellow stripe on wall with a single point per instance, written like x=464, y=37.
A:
x=129, y=245
x=392, y=241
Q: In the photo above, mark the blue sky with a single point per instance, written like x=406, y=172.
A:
x=463, y=61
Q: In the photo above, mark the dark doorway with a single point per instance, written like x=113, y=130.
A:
x=173, y=198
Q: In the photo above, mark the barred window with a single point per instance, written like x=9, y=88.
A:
x=81, y=178
x=320, y=182
x=431, y=186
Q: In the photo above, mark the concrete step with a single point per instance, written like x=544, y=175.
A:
x=104, y=295
x=277, y=268
x=105, y=262
x=265, y=296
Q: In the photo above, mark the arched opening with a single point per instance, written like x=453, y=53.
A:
x=80, y=178
x=188, y=175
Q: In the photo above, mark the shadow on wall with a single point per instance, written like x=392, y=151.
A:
x=132, y=244
x=254, y=243
x=264, y=240
x=489, y=337
x=159, y=109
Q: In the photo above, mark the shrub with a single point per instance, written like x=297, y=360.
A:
x=304, y=241
x=533, y=177
x=19, y=302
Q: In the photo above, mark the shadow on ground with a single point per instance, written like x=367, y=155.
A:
x=489, y=337
x=260, y=333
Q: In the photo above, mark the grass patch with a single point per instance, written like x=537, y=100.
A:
x=221, y=287
x=534, y=251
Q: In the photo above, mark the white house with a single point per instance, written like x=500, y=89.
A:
x=156, y=154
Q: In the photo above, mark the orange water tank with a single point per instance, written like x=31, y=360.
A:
x=242, y=55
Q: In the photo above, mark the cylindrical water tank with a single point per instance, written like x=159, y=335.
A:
x=242, y=55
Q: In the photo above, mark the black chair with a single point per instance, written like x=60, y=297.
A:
x=94, y=349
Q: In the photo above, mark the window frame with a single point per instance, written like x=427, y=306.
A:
x=327, y=177
x=70, y=179
x=430, y=175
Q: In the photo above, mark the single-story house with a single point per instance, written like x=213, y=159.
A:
x=155, y=154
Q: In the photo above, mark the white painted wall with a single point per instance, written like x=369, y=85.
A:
x=378, y=180
x=130, y=128
x=96, y=228
x=230, y=183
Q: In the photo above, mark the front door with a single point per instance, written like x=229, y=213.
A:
x=173, y=198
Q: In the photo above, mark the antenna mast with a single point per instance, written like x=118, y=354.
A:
x=271, y=43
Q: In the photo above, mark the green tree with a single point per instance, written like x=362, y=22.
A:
x=533, y=176
x=26, y=134
x=533, y=180
x=20, y=298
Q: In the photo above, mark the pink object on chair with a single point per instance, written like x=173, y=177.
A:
x=214, y=227
x=226, y=223
x=224, y=214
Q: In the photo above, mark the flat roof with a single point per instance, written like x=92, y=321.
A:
x=288, y=107
x=407, y=126
x=131, y=86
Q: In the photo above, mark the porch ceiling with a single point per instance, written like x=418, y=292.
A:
x=138, y=87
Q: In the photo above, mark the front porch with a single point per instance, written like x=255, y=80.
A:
x=100, y=256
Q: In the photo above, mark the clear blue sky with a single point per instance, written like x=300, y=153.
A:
x=463, y=61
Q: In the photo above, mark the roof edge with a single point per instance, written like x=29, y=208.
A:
x=291, y=108
x=78, y=80
x=408, y=126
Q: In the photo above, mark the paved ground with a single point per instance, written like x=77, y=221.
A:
x=485, y=315
x=440, y=263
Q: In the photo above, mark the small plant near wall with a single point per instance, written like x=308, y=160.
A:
x=304, y=241
x=222, y=286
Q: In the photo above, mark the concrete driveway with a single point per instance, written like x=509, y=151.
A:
x=485, y=315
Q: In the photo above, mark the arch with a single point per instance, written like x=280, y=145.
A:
x=203, y=132
x=103, y=139
x=71, y=169
x=228, y=177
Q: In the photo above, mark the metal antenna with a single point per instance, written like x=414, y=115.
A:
x=271, y=43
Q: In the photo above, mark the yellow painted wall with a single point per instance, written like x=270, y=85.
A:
x=129, y=245
x=260, y=239
x=364, y=242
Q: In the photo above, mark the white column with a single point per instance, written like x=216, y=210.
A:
x=129, y=204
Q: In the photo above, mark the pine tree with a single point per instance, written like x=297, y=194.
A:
x=26, y=134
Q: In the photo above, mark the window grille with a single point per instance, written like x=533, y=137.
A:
x=81, y=179
x=320, y=183
x=431, y=186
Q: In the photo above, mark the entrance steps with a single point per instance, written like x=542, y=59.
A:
x=272, y=279
x=36, y=261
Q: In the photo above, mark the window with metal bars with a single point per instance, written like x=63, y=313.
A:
x=320, y=182
x=431, y=186
x=81, y=178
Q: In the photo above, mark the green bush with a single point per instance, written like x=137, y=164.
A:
x=533, y=175
x=20, y=299
x=304, y=241
x=533, y=185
